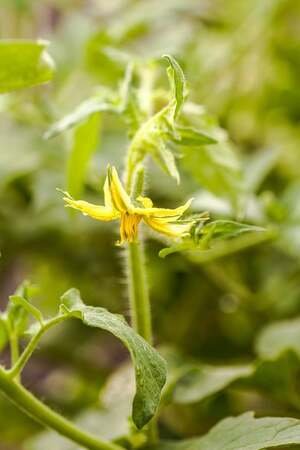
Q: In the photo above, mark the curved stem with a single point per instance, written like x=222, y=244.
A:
x=25, y=401
x=20, y=363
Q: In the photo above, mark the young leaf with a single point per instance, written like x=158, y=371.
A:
x=150, y=368
x=24, y=63
x=29, y=307
x=177, y=82
x=85, y=141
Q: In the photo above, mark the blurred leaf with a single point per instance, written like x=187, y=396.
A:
x=279, y=337
x=29, y=307
x=24, y=63
x=215, y=167
x=150, y=368
x=85, y=142
x=259, y=166
x=108, y=420
x=203, y=381
x=87, y=108
x=243, y=432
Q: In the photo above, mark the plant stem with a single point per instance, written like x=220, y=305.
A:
x=138, y=291
x=19, y=363
x=140, y=306
x=25, y=401
x=14, y=351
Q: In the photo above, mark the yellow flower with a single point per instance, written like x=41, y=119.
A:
x=119, y=206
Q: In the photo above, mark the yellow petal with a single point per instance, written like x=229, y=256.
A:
x=163, y=212
x=173, y=229
x=96, y=212
x=107, y=195
x=120, y=199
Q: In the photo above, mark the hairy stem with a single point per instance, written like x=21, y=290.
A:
x=140, y=306
x=29, y=404
x=138, y=291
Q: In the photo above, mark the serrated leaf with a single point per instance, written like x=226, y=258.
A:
x=24, y=63
x=227, y=229
x=85, y=142
x=243, y=432
x=279, y=337
x=150, y=368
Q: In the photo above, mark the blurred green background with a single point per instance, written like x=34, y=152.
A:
x=241, y=60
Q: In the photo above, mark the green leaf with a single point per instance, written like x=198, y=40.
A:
x=188, y=136
x=177, y=82
x=278, y=338
x=107, y=100
x=150, y=368
x=85, y=141
x=29, y=307
x=243, y=432
x=91, y=106
x=210, y=239
x=203, y=381
x=215, y=167
x=17, y=315
x=24, y=63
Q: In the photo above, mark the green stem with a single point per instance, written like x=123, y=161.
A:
x=29, y=404
x=14, y=350
x=19, y=363
x=138, y=291
x=140, y=306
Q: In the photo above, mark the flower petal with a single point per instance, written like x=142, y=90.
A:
x=163, y=212
x=96, y=212
x=120, y=199
x=174, y=229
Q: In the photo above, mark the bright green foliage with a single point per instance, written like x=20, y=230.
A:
x=150, y=369
x=243, y=432
x=85, y=141
x=24, y=64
